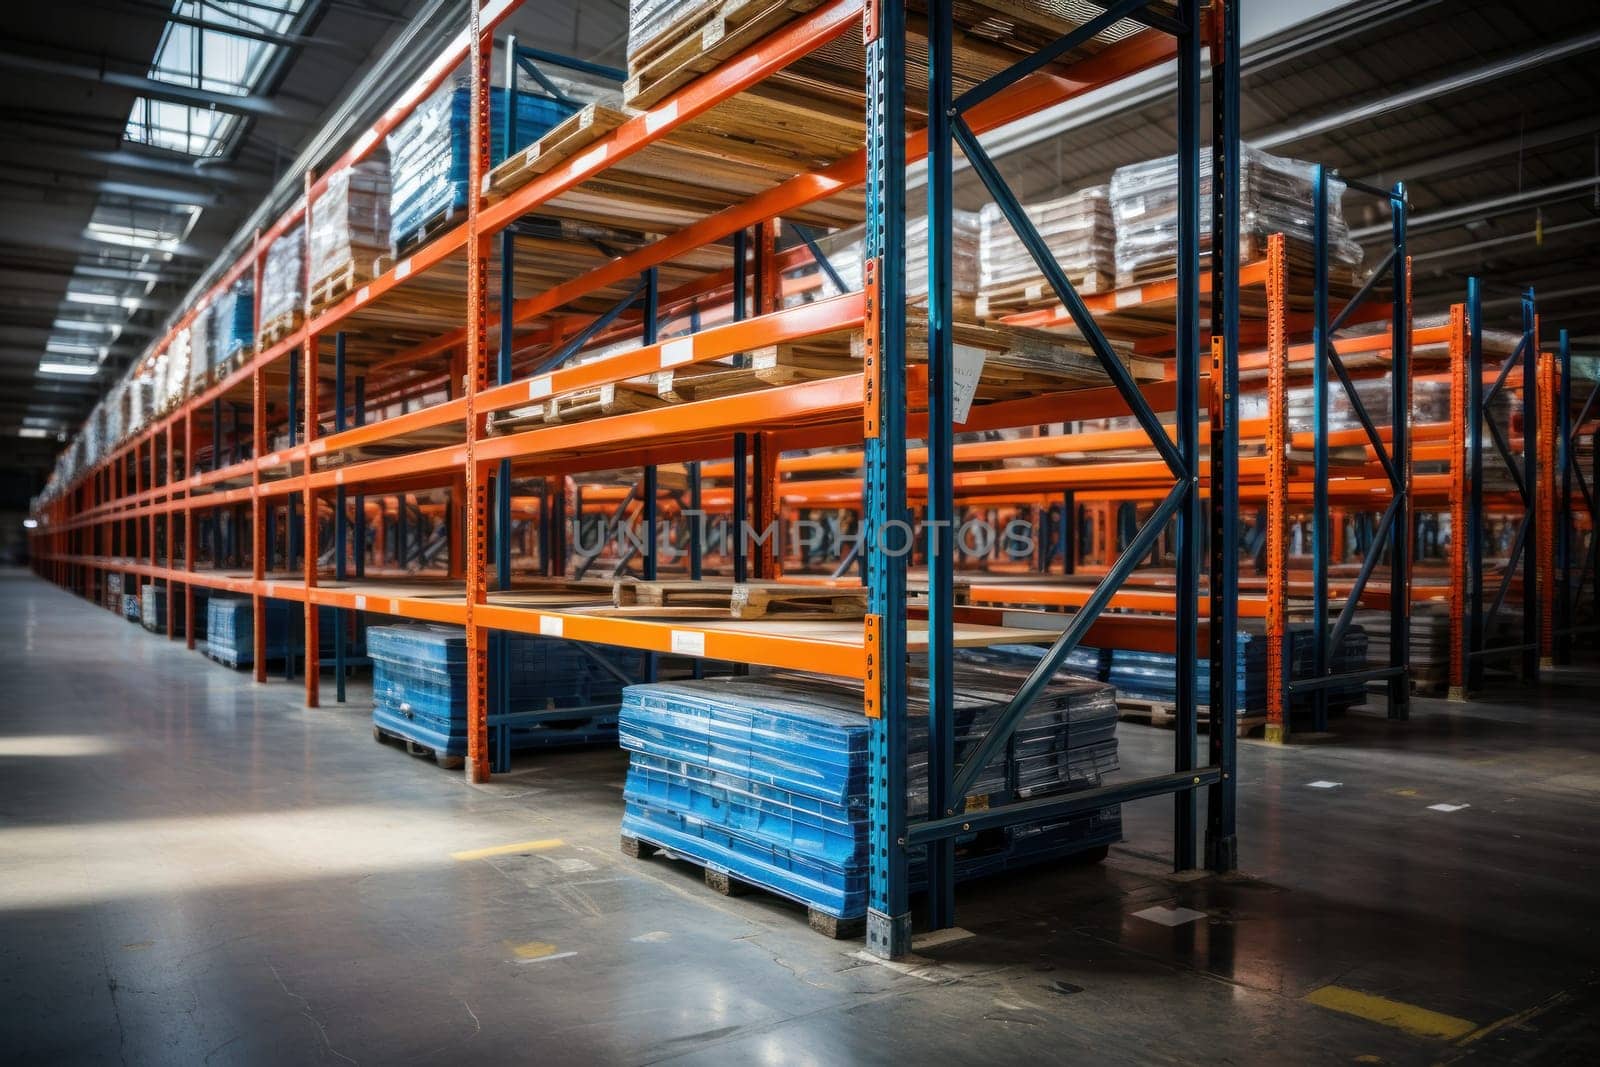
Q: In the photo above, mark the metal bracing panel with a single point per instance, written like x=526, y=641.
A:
x=1393, y=534
x=1523, y=472
x=893, y=827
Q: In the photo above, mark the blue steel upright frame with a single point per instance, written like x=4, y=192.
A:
x=1393, y=533
x=894, y=830
x=1525, y=477
x=1570, y=588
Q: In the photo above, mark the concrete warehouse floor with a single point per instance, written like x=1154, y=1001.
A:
x=193, y=867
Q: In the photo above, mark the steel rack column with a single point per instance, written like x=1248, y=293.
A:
x=1277, y=518
x=476, y=496
x=1402, y=533
x=1530, y=486
x=741, y=504
x=258, y=507
x=1224, y=495
x=1474, y=633
x=188, y=529
x=884, y=478
x=651, y=488
x=498, y=641
x=941, y=856
x=1562, y=649
x=1459, y=523
x=172, y=602
x=769, y=539
x=1320, y=518
x=1548, y=517
x=339, y=534
x=361, y=499
x=308, y=555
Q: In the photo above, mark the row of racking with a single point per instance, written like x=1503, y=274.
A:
x=439, y=441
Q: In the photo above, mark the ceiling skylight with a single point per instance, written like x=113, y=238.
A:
x=210, y=58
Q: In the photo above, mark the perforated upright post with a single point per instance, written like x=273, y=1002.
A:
x=476, y=492
x=884, y=482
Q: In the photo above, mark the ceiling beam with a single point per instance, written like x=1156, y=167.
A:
x=252, y=105
x=1475, y=75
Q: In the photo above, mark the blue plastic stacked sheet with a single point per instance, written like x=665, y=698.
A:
x=233, y=324
x=1152, y=675
x=230, y=631
x=153, y=607
x=765, y=777
x=428, y=152
x=560, y=692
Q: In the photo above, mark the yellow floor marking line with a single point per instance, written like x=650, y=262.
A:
x=1398, y=1014
x=506, y=850
x=536, y=951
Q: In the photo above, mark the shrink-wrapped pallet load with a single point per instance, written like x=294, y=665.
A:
x=349, y=229
x=1275, y=196
x=233, y=322
x=1079, y=232
x=200, y=329
x=844, y=249
x=429, y=154
x=283, y=295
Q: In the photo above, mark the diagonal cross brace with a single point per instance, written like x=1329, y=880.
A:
x=1137, y=549
x=1126, y=387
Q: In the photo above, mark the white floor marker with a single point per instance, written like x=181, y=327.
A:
x=1323, y=783
x=1169, y=916
x=1447, y=808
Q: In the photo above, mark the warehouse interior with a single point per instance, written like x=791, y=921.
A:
x=729, y=530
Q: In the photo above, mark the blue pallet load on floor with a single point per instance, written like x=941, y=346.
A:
x=1152, y=675
x=764, y=778
x=561, y=692
x=230, y=633
x=428, y=153
x=153, y=608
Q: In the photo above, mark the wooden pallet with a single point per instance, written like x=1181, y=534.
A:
x=340, y=282
x=699, y=41
x=277, y=328
x=739, y=600
x=559, y=144
x=449, y=763
x=430, y=228
x=1032, y=296
x=1163, y=713
x=729, y=886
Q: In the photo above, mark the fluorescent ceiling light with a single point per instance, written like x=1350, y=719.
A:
x=78, y=370
x=30, y=524
x=31, y=431
x=110, y=300
x=89, y=326
x=67, y=348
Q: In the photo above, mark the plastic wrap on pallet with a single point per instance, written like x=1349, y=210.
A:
x=282, y=276
x=200, y=333
x=429, y=153
x=648, y=19
x=230, y=631
x=561, y=692
x=1079, y=232
x=350, y=220
x=1275, y=196
x=844, y=249
x=766, y=777
x=233, y=321
x=177, y=369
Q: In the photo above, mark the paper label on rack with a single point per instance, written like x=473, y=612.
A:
x=272, y=587
x=689, y=642
x=654, y=120
x=394, y=607
x=589, y=159
x=317, y=447
x=1127, y=297
x=362, y=294
x=338, y=476
x=402, y=268
x=540, y=387
x=361, y=603
x=273, y=460
x=965, y=371
x=677, y=351
x=549, y=626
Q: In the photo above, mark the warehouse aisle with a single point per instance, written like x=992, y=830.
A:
x=195, y=868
